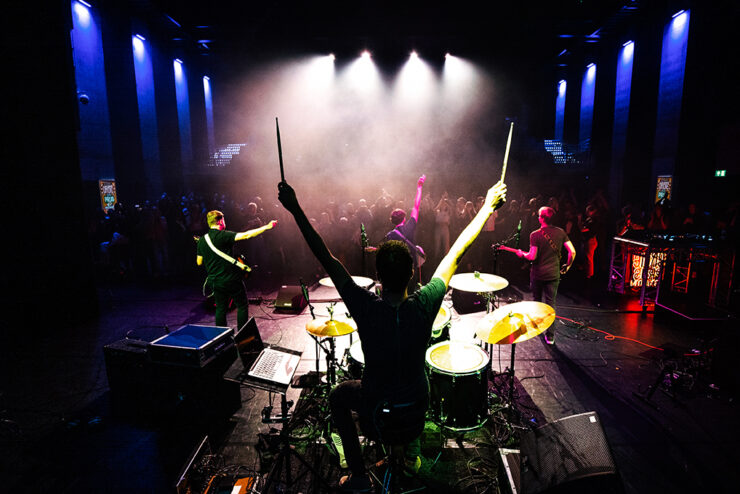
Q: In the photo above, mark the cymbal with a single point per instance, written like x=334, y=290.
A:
x=514, y=323
x=478, y=282
x=330, y=328
x=362, y=281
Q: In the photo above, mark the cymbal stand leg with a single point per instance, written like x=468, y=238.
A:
x=511, y=375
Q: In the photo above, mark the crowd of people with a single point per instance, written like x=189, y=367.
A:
x=157, y=238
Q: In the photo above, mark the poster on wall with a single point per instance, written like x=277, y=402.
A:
x=663, y=188
x=108, y=196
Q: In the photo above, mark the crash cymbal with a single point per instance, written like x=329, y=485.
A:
x=362, y=281
x=330, y=328
x=478, y=282
x=514, y=323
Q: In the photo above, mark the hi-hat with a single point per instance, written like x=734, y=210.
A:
x=362, y=281
x=515, y=323
x=478, y=282
x=330, y=328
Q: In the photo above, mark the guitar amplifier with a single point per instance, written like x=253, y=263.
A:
x=192, y=346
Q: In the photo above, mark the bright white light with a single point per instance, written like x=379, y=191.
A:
x=89, y=6
x=178, y=68
x=206, y=78
x=416, y=80
x=678, y=23
x=365, y=54
x=628, y=50
x=590, y=72
x=561, y=87
x=139, y=50
x=83, y=14
x=142, y=38
x=362, y=74
x=332, y=57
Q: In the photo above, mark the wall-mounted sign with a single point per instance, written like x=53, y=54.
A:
x=108, y=197
x=663, y=188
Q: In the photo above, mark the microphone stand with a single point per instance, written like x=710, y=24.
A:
x=363, y=244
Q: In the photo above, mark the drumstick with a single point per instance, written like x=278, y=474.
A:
x=506, y=154
x=280, y=151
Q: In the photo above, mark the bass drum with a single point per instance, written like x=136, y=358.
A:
x=458, y=379
x=355, y=360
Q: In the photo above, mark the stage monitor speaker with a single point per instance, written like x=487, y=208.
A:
x=290, y=299
x=569, y=455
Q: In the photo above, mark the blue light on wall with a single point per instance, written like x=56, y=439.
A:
x=94, y=137
x=622, y=100
x=183, y=111
x=147, y=110
x=588, y=86
x=670, y=92
x=560, y=110
x=209, y=114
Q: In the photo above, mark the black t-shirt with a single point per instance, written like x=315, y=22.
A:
x=546, y=267
x=394, y=341
x=219, y=270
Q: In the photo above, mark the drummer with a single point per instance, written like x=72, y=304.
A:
x=394, y=329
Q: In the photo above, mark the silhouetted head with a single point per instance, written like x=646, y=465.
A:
x=394, y=265
x=546, y=214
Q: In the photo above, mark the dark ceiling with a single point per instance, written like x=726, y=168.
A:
x=515, y=31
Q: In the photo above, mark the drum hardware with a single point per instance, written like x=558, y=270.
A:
x=477, y=282
x=326, y=330
x=512, y=324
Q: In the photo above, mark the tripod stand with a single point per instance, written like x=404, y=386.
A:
x=283, y=467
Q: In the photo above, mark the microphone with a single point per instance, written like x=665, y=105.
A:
x=363, y=235
x=303, y=289
x=518, y=232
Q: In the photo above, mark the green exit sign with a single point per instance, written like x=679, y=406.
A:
x=720, y=173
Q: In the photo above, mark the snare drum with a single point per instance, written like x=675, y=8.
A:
x=458, y=380
x=355, y=360
x=441, y=325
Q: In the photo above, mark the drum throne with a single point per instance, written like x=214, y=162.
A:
x=394, y=427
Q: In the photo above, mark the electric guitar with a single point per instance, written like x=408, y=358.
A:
x=507, y=249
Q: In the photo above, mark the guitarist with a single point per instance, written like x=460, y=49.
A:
x=225, y=277
x=405, y=230
x=545, y=246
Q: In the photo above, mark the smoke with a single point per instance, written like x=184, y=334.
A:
x=349, y=131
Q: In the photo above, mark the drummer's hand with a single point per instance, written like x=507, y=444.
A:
x=287, y=197
x=271, y=224
x=421, y=180
x=496, y=196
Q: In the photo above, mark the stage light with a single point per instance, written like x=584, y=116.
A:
x=561, y=87
x=678, y=24
x=365, y=54
x=178, y=68
x=628, y=50
x=142, y=38
x=590, y=72
x=206, y=78
x=414, y=55
x=139, y=49
x=332, y=57
x=90, y=6
x=83, y=14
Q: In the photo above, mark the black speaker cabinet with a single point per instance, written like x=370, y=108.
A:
x=569, y=455
x=290, y=299
x=153, y=390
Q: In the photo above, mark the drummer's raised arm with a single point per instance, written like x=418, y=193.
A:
x=448, y=265
x=334, y=268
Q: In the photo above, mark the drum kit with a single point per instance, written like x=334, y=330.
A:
x=457, y=370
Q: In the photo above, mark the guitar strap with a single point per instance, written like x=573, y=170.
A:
x=552, y=245
x=226, y=257
x=420, y=254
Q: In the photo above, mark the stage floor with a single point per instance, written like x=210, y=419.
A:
x=60, y=432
